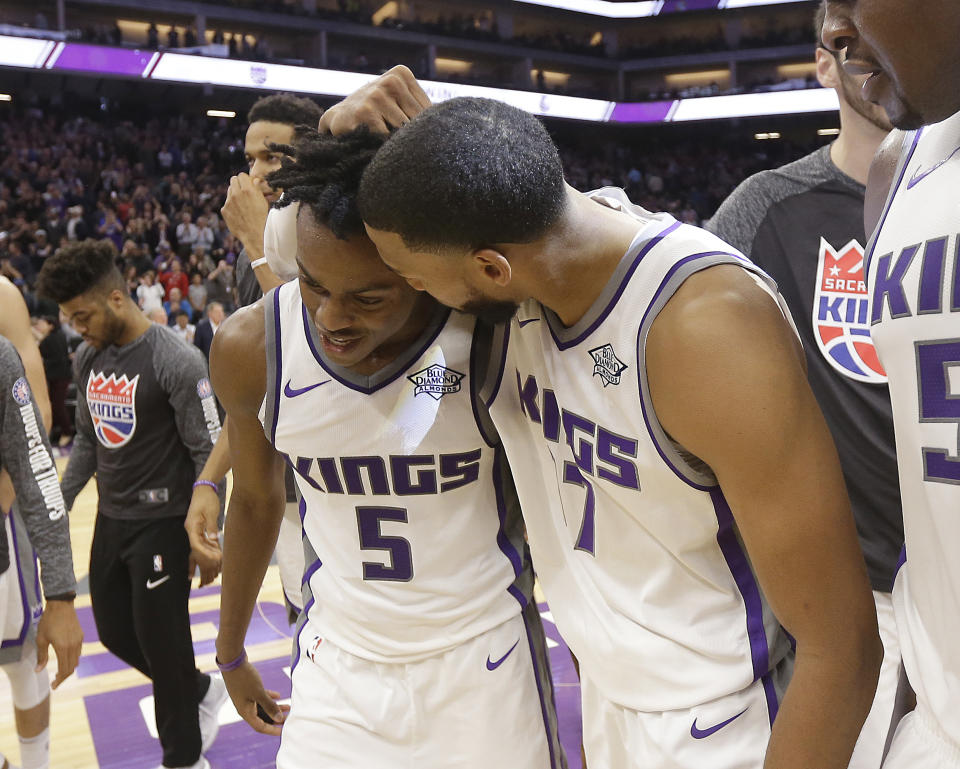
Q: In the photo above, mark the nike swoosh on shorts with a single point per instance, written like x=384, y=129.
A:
x=491, y=665
x=699, y=734
x=151, y=584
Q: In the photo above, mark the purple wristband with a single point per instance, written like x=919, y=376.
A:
x=211, y=484
x=226, y=668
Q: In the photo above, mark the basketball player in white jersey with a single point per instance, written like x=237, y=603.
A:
x=678, y=482
x=910, y=55
x=20, y=600
x=420, y=644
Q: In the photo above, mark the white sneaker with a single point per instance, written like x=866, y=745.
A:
x=209, y=710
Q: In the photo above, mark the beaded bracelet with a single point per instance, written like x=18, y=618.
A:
x=211, y=484
x=227, y=667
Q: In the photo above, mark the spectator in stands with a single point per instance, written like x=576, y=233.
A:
x=197, y=295
x=149, y=294
x=76, y=228
x=56, y=366
x=207, y=327
x=174, y=277
x=183, y=328
x=205, y=236
x=175, y=304
x=187, y=234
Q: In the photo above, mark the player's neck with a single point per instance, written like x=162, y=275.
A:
x=574, y=263
x=854, y=148
x=135, y=325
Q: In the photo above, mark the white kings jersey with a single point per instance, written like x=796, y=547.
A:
x=412, y=532
x=634, y=544
x=913, y=275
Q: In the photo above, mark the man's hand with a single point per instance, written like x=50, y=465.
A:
x=388, y=102
x=246, y=690
x=201, y=526
x=59, y=626
x=245, y=212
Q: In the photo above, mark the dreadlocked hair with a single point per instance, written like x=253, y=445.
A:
x=322, y=172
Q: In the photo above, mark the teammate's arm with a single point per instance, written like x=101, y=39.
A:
x=202, y=522
x=245, y=213
x=727, y=381
x=880, y=180
x=238, y=369
x=388, y=102
x=15, y=326
x=25, y=452
x=83, y=455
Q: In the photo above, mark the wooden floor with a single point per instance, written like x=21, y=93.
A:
x=102, y=716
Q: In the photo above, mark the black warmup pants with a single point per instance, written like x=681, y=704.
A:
x=139, y=588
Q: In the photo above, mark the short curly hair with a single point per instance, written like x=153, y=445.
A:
x=285, y=108
x=79, y=267
x=323, y=173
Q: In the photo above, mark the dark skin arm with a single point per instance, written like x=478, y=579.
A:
x=238, y=373
x=388, y=102
x=728, y=382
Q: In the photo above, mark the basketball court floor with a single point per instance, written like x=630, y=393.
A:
x=102, y=716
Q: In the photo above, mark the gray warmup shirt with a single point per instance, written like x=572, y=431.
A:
x=803, y=224
x=25, y=454
x=146, y=423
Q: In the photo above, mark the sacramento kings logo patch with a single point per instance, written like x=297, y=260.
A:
x=607, y=365
x=204, y=388
x=258, y=74
x=112, y=404
x=21, y=392
x=436, y=381
x=841, y=318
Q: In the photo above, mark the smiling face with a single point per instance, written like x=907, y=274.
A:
x=909, y=51
x=262, y=160
x=461, y=281
x=365, y=314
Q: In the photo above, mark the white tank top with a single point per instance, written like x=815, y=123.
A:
x=413, y=537
x=633, y=541
x=914, y=282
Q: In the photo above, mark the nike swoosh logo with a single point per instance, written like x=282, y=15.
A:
x=699, y=734
x=523, y=323
x=151, y=584
x=292, y=392
x=919, y=176
x=494, y=665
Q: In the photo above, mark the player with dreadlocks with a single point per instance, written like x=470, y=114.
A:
x=419, y=643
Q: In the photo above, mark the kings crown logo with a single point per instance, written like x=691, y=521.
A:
x=436, y=381
x=607, y=365
x=112, y=402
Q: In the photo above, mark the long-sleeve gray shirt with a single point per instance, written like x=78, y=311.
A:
x=25, y=454
x=146, y=423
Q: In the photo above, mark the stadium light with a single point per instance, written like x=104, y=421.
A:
x=5, y=97
x=828, y=131
x=767, y=135
x=221, y=113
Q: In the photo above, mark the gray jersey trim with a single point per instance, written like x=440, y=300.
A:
x=481, y=350
x=540, y=655
x=274, y=357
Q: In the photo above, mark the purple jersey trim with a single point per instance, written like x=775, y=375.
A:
x=616, y=297
x=310, y=571
x=15, y=574
x=900, y=561
x=309, y=331
x=770, y=690
x=296, y=641
x=302, y=511
x=278, y=364
x=506, y=547
x=889, y=204
x=640, y=355
x=747, y=585
x=544, y=705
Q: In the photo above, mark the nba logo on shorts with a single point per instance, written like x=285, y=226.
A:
x=158, y=563
x=112, y=404
x=313, y=647
x=841, y=317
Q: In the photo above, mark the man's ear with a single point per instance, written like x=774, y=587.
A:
x=827, y=64
x=493, y=266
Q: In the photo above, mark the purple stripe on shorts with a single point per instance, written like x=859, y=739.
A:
x=746, y=582
x=544, y=705
x=773, y=705
x=296, y=640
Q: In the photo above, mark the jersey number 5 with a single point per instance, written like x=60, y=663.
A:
x=400, y=568
x=938, y=377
